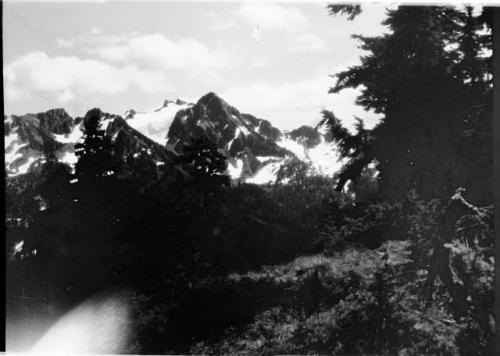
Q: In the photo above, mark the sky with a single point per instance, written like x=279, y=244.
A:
x=270, y=59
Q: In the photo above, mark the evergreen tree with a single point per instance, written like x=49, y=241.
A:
x=204, y=163
x=95, y=159
x=357, y=148
x=417, y=78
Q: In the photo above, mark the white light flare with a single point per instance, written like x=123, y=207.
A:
x=100, y=325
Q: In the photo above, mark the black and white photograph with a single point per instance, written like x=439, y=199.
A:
x=248, y=178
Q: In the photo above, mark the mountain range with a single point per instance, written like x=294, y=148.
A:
x=255, y=150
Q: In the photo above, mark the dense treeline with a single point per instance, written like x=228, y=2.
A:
x=394, y=255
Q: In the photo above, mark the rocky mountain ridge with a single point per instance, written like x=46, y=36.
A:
x=256, y=151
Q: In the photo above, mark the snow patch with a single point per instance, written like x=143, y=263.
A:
x=72, y=137
x=324, y=158
x=105, y=123
x=23, y=169
x=244, y=130
x=155, y=124
x=293, y=146
x=266, y=174
x=235, y=169
x=13, y=153
x=13, y=136
x=263, y=159
x=69, y=158
x=18, y=247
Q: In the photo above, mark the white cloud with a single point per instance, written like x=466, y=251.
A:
x=152, y=51
x=106, y=66
x=307, y=42
x=158, y=52
x=64, y=79
x=291, y=104
x=271, y=16
x=93, y=39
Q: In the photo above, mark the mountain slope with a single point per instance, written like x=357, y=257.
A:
x=30, y=137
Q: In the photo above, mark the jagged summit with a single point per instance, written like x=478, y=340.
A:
x=176, y=102
x=217, y=109
x=213, y=118
x=56, y=120
x=209, y=97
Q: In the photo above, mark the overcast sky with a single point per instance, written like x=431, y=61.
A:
x=269, y=59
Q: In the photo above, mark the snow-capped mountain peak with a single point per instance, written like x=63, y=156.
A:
x=256, y=151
